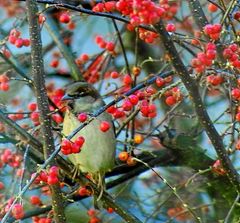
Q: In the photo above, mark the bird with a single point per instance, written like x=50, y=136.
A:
x=97, y=154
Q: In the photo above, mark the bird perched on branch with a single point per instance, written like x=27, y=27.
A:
x=97, y=154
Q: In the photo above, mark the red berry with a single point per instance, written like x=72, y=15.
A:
x=131, y=161
x=79, y=141
x=34, y=116
x=127, y=105
x=212, y=7
x=41, y=19
x=94, y=220
x=57, y=118
x=53, y=171
x=1, y=185
x=54, y=63
x=32, y=106
x=12, y=39
x=98, y=39
x=17, y=211
x=133, y=99
x=82, y=117
x=83, y=191
x=26, y=42
x=110, y=6
x=43, y=176
x=51, y=180
x=84, y=57
x=127, y=80
x=110, y=46
x=15, y=32
x=102, y=44
x=6, y=53
x=104, y=126
x=171, y=27
x=118, y=113
x=160, y=81
x=66, y=143
x=236, y=15
x=64, y=18
x=114, y=74
x=238, y=117
x=111, y=109
x=170, y=100
x=4, y=86
x=91, y=212
x=19, y=43
x=35, y=200
x=110, y=210
x=123, y=156
x=75, y=148
x=235, y=93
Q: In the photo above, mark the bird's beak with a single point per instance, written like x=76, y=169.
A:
x=66, y=97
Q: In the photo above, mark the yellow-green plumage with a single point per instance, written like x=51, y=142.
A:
x=97, y=154
x=98, y=151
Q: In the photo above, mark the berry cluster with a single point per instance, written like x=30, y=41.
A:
x=127, y=105
x=109, y=46
x=82, y=59
x=204, y=59
x=18, y=116
x=105, y=7
x=50, y=177
x=68, y=147
x=37, y=219
x=140, y=11
x=4, y=82
x=93, y=216
x=126, y=157
x=92, y=74
x=215, y=79
x=146, y=35
x=148, y=109
x=173, y=96
x=18, y=211
x=170, y=7
x=15, y=39
x=7, y=157
x=54, y=63
x=232, y=53
x=236, y=96
x=213, y=30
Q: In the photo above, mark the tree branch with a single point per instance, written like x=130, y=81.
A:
x=42, y=100
x=203, y=116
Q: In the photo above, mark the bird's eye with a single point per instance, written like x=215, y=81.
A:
x=74, y=95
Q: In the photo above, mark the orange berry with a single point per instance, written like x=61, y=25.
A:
x=123, y=156
x=131, y=161
x=138, y=139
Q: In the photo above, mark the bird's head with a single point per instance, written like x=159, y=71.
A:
x=82, y=97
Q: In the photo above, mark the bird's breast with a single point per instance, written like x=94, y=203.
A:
x=98, y=151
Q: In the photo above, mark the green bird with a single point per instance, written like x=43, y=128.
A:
x=97, y=154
